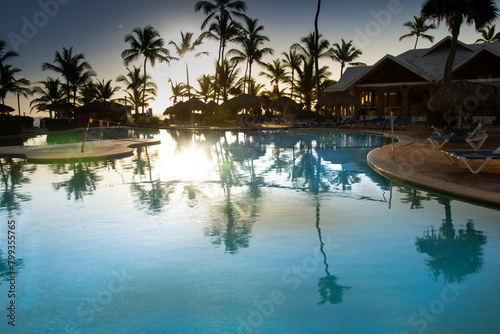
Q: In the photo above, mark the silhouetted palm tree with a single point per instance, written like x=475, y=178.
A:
x=251, y=42
x=87, y=93
x=418, y=28
x=275, y=72
x=206, y=87
x=221, y=7
x=454, y=13
x=345, y=54
x=134, y=87
x=316, y=50
x=148, y=44
x=187, y=46
x=178, y=90
x=104, y=90
x=6, y=55
x=227, y=72
x=9, y=83
x=292, y=61
x=51, y=91
x=305, y=84
x=74, y=69
x=21, y=87
x=489, y=35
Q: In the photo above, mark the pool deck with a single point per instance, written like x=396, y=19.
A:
x=416, y=162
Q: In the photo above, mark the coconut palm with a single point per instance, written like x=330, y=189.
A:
x=345, y=54
x=454, y=13
x=292, y=61
x=316, y=49
x=307, y=46
x=21, y=87
x=206, y=87
x=489, y=35
x=51, y=91
x=306, y=81
x=227, y=72
x=6, y=55
x=251, y=42
x=146, y=43
x=87, y=93
x=227, y=8
x=275, y=72
x=134, y=87
x=418, y=28
x=104, y=90
x=178, y=90
x=7, y=80
x=185, y=47
x=73, y=68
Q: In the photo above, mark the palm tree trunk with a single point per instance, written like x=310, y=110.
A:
x=416, y=41
x=249, y=75
x=293, y=83
x=451, y=56
x=187, y=81
x=316, y=55
x=144, y=90
x=18, y=104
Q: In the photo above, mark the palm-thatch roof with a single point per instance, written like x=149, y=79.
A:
x=281, y=103
x=195, y=104
x=109, y=106
x=212, y=106
x=337, y=99
x=178, y=108
x=463, y=94
x=245, y=101
x=5, y=108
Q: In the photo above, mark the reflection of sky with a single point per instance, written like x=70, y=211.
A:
x=175, y=255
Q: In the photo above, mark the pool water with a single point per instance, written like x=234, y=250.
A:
x=242, y=232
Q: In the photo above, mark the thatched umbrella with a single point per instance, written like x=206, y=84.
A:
x=460, y=94
x=337, y=99
x=195, y=104
x=5, y=108
x=212, y=106
x=283, y=104
x=245, y=101
x=180, y=109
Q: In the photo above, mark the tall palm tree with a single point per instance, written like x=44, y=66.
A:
x=292, y=61
x=51, y=91
x=206, y=87
x=306, y=81
x=275, y=72
x=146, y=43
x=454, y=13
x=7, y=80
x=178, y=90
x=75, y=70
x=227, y=72
x=185, y=47
x=489, y=35
x=307, y=46
x=87, y=93
x=104, y=90
x=221, y=7
x=316, y=49
x=251, y=42
x=6, y=55
x=345, y=54
x=134, y=87
x=418, y=28
x=21, y=87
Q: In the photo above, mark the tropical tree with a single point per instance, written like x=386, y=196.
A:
x=134, y=87
x=87, y=93
x=292, y=60
x=6, y=55
x=146, y=43
x=51, y=91
x=418, y=28
x=227, y=72
x=21, y=87
x=454, y=13
x=227, y=8
x=8, y=81
x=345, y=54
x=73, y=68
x=184, y=48
x=206, y=87
x=275, y=72
x=178, y=90
x=316, y=49
x=251, y=41
x=489, y=35
x=104, y=90
x=306, y=80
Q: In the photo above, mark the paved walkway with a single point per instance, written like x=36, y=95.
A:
x=417, y=162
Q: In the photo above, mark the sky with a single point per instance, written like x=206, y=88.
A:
x=37, y=29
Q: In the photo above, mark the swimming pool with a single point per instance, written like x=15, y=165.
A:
x=241, y=232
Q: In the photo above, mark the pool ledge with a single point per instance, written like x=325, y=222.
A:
x=99, y=149
x=421, y=165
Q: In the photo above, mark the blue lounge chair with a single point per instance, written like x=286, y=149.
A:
x=454, y=131
x=466, y=157
x=475, y=139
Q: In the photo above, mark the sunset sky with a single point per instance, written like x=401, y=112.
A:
x=37, y=29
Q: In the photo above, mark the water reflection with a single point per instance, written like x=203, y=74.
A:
x=5, y=266
x=82, y=182
x=13, y=178
x=454, y=253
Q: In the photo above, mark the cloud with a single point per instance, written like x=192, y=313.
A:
x=120, y=26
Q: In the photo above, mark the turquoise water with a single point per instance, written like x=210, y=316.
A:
x=242, y=232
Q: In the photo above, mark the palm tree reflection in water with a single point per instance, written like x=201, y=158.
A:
x=453, y=253
x=12, y=178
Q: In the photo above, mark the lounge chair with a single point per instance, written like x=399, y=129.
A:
x=466, y=157
x=475, y=139
x=454, y=131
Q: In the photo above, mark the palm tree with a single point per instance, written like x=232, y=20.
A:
x=185, y=47
x=292, y=61
x=454, y=13
x=87, y=93
x=73, y=68
x=147, y=43
x=251, y=41
x=21, y=87
x=7, y=80
x=489, y=35
x=418, y=28
x=206, y=87
x=345, y=54
x=51, y=91
x=307, y=46
x=306, y=80
x=227, y=72
x=178, y=90
x=6, y=55
x=316, y=50
x=104, y=90
x=134, y=87
x=275, y=72
x=221, y=7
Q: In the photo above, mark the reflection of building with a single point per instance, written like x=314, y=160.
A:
x=108, y=111
x=400, y=83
